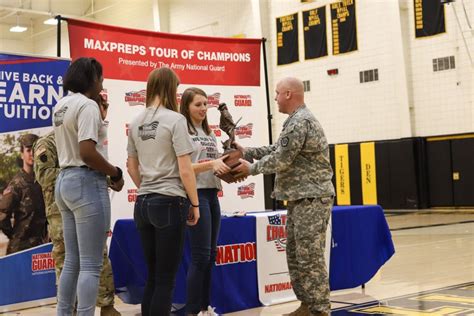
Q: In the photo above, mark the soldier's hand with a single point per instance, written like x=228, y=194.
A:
x=117, y=186
x=242, y=170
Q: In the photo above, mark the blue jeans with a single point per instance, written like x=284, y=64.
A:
x=161, y=222
x=203, y=240
x=82, y=197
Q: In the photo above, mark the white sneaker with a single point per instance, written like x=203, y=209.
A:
x=210, y=312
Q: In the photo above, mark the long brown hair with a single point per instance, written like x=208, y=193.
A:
x=186, y=99
x=162, y=82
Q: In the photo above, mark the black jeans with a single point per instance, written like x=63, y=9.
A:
x=161, y=222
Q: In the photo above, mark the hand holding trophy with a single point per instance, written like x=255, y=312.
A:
x=226, y=123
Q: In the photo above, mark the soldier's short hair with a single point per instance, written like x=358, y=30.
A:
x=27, y=140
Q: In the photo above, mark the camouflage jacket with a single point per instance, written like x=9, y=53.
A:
x=22, y=200
x=46, y=168
x=299, y=159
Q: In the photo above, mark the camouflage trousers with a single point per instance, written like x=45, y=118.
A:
x=16, y=244
x=306, y=228
x=106, y=280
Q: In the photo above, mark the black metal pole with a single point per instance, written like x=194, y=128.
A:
x=58, y=34
x=269, y=112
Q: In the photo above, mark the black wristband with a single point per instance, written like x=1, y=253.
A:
x=193, y=205
x=119, y=175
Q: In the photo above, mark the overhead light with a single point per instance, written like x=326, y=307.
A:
x=51, y=21
x=18, y=28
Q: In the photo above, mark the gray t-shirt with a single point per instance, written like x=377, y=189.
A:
x=156, y=138
x=76, y=118
x=205, y=149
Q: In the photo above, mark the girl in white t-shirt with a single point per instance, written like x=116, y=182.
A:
x=81, y=187
x=203, y=236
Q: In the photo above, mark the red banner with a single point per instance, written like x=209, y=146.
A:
x=129, y=54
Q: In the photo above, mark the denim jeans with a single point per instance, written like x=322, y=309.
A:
x=82, y=197
x=203, y=241
x=161, y=222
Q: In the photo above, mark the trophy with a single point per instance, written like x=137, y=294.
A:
x=226, y=123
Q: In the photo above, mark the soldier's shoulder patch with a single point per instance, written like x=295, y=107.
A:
x=39, y=151
x=284, y=141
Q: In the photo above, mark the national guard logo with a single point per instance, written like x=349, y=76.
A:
x=132, y=195
x=213, y=100
x=276, y=231
x=178, y=97
x=242, y=100
x=244, y=131
x=42, y=263
x=284, y=141
x=246, y=191
x=59, y=116
x=134, y=98
x=217, y=131
x=236, y=253
x=148, y=131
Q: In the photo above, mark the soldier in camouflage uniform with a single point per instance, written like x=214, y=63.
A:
x=47, y=169
x=300, y=161
x=22, y=201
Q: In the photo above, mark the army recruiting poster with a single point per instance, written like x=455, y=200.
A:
x=30, y=86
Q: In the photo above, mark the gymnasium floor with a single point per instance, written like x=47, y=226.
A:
x=431, y=273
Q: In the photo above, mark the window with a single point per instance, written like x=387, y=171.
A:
x=369, y=75
x=306, y=85
x=443, y=63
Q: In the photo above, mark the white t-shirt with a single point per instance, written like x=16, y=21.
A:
x=157, y=137
x=76, y=118
x=103, y=144
x=205, y=149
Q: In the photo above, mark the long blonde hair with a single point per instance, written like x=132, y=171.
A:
x=162, y=82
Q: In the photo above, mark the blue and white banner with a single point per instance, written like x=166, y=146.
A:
x=29, y=88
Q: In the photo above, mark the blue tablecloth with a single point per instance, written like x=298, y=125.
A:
x=361, y=244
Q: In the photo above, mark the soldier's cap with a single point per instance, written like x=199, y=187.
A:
x=27, y=140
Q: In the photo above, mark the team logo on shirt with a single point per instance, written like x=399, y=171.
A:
x=276, y=231
x=59, y=116
x=216, y=130
x=148, y=131
x=213, y=100
x=244, y=131
x=246, y=191
x=134, y=98
x=242, y=100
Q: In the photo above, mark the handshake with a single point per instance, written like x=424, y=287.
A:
x=231, y=167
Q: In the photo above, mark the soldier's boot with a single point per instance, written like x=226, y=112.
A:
x=303, y=310
x=109, y=311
